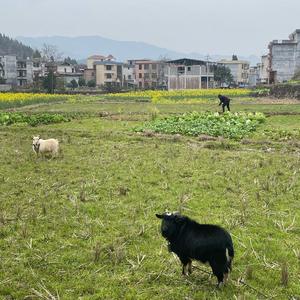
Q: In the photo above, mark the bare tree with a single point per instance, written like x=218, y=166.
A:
x=51, y=53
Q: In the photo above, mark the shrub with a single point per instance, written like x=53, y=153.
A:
x=32, y=120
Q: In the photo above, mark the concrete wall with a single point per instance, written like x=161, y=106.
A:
x=89, y=74
x=10, y=68
x=29, y=72
x=283, y=60
x=5, y=87
x=65, y=69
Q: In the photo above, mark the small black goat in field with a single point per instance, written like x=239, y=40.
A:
x=203, y=242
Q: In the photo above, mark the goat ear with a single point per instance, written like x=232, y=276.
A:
x=159, y=216
x=178, y=219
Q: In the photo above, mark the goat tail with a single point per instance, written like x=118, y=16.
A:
x=229, y=256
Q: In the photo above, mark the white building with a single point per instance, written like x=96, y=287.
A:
x=239, y=70
x=16, y=72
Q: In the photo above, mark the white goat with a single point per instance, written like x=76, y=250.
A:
x=45, y=146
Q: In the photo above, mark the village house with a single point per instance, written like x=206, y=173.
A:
x=264, y=68
x=284, y=58
x=39, y=68
x=68, y=72
x=128, y=74
x=16, y=72
x=103, y=70
x=188, y=73
x=254, y=75
x=149, y=74
x=239, y=70
x=108, y=73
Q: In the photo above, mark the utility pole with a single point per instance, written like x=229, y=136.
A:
x=207, y=61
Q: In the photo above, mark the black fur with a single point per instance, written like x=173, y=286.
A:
x=202, y=242
x=225, y=101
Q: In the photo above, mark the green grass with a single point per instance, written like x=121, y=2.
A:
x=83, y=225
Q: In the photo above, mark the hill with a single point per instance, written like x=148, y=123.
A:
x=9, y=46
x=82, y=47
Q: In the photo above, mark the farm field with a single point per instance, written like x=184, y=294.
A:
x=83, y=225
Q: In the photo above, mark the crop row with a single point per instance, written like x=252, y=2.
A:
x=228, y=125
x=9, y=118
x=179, y=95
x=9, y=100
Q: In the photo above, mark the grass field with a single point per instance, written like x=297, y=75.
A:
x=83, y=225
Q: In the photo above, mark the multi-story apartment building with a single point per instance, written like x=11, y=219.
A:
x=284, y=58
x=24, y=72
x=239, y=70
x=39, y=68
x=98, y=58
x=108, y=73
x=103, y=70
x=16, y=72
x=128, y=71
x=188, y=73
x=149, y=74
x=9, y=69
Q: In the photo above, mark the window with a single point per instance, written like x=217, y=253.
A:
x=108, y=68
x=129, y=77
x=65, y=70
x=140, y=67
x=154, y=67
x=147, y=76
x=189, y=69
x=108, y=76
x=154, y=75
x=146, y=67
x=140, y=75
x=180, y=70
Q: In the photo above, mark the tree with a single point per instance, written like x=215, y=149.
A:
x=73, y=84
x=2, y=80
x=49, y=82
x=234, y=57
x=51, y=53
x=296, y=75
x=70, y=61
x=36, y=54
x=222, y=75
x=81, y=82
x=10, y=46
x=91, y=83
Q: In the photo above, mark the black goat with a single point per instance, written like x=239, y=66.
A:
x=206, y=243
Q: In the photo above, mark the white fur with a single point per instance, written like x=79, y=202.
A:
x=50, y=146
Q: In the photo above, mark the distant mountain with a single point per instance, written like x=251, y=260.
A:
x=84, y=46
x=10, y=46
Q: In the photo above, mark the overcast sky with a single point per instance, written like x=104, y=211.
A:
x=243, y=27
